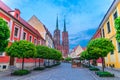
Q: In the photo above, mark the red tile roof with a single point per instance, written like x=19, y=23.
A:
x=84, y=48
x=7, y=10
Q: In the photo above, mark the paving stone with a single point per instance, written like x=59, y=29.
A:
x=62, y=72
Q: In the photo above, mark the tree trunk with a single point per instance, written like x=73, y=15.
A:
x=89, y=62
x=94, y=62
x=44, y=63
x=39, y=62
x=103, y=63
x=53, y=62
x=35, y=62
x=23, y=64
x=48, y=62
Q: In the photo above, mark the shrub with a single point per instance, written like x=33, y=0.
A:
x=21, y=72
x=94, y=69
x=39, y=68
x=48, y=66
x=104, y=74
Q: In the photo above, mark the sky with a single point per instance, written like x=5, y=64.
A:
x=82, y=16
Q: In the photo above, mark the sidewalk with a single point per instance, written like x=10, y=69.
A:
x=4, y=73
x=114, y=71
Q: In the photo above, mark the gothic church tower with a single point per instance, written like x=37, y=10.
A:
x=65, y=41
x=57, y=37
x=64, y=47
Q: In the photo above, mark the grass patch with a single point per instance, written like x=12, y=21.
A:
x=94, y=69
x=104, y=74
x=39, y=68
x=21, y=72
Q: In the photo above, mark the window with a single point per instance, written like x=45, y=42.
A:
x=108, y=27
x=118, y=43
x=115, y=15
x=39, y=42
x=30, y=38
x=16, y=32
x=112, y=52
x=4, y=66
x=24, y=35
x=7, y=22
x=34, y=41
x=17, y=15
x=103, y=33
x=1, y=53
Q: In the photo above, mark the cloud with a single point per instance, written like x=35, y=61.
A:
x=82, y=16
x=81, y=38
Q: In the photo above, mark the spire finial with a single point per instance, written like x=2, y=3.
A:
x=57, y=22
x=64, y=24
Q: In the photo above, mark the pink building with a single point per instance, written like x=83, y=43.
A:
x=98, y=35
x=19, y=30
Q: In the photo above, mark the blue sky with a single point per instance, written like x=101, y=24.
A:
x=82, y=16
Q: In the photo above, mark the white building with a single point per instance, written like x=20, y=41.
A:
x=75, y=53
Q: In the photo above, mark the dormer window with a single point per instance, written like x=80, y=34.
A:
x=17, y=15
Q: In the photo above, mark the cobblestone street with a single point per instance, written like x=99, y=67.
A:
x=63, y=72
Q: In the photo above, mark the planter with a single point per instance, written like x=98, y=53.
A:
x=21, y=72
x=104, y=74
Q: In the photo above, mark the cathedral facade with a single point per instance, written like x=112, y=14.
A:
x=63, y=45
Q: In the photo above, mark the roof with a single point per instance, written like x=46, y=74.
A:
x=6, y=9
x=84, y=48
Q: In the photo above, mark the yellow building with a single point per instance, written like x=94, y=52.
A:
x=108, y=31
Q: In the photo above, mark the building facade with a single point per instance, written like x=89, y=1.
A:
x=19, y=30
x=107, y=28
x=46, y=35
x=75, y=53
x=98, y=35
x=64, y=47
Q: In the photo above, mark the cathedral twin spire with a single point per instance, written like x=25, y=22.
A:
x=57, y=23
x=57, y=28
x=64, y=46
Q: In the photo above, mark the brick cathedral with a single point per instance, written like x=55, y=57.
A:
x=64, y=46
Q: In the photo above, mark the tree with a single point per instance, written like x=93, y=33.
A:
x=117, y=27
x=42, y=52
x=86, y=55
x=68, y=59
x=55, y=55
x=100, y=47
x=22, y=49
x=4, y=35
